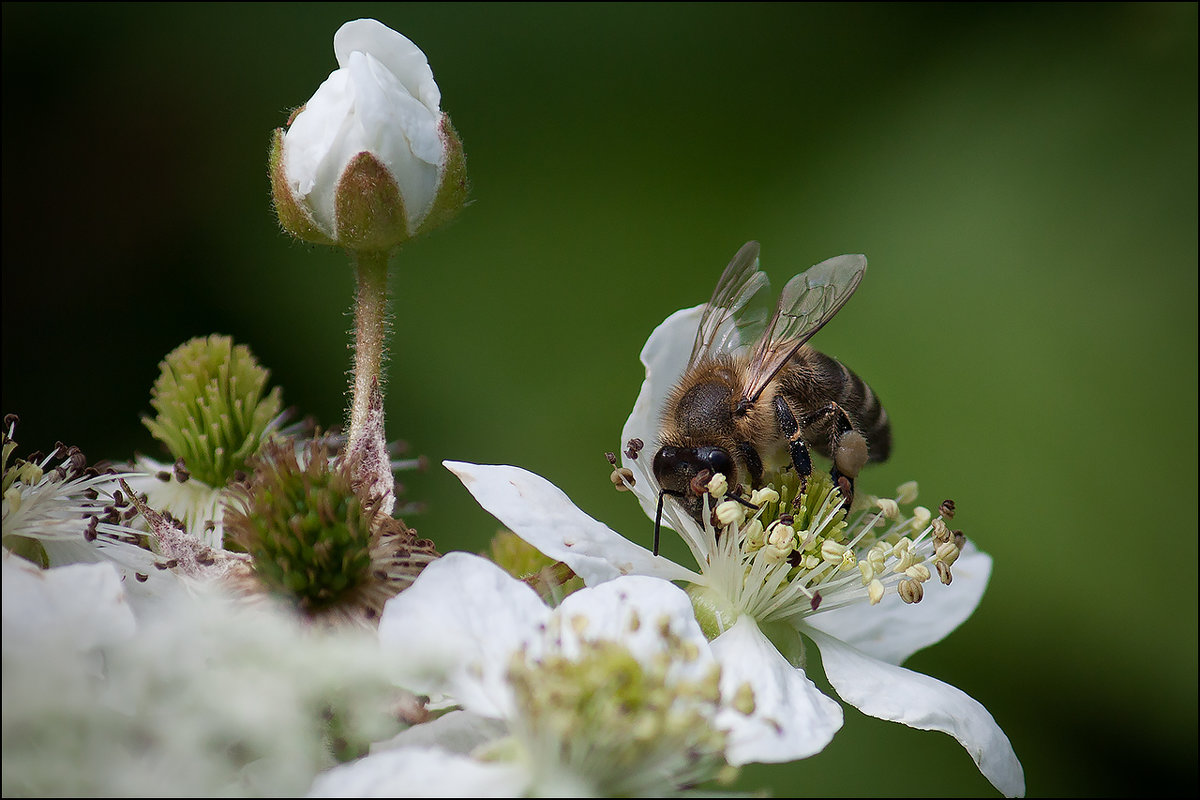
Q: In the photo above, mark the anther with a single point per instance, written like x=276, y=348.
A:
x=944, y=574
x=918, y=572
x=635, y=447
x=612, y=458
x=728, y=512
x=946, y=553
x=910, y=591
x=920, y=517
x=181, y=473
x=165, y=477
x=763, y=496
x=875, y=591
x=832, y=552
x=889, y=507
x=906, y=492
x=947, y=509
x=622, y=478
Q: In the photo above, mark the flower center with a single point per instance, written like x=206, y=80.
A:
x=789, y=554
x=600, y=716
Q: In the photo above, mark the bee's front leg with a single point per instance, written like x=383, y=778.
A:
x=798, y=450
x=848, y=447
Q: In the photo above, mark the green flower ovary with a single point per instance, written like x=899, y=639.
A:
x=305, y=528
x=212, y=412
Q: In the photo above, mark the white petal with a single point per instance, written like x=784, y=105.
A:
x=894, y=693
x=400, y=131
x=454, y=629
x=79, y=606
x=791, y=718
x=541, y=514
x=397, y=52
x=454, y=732
x=611, y=609
x=894, y=630
x=665, y=357
x=315, y=150
x=421, y=772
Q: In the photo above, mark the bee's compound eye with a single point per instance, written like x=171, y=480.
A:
x=717, y=459
x=665, y=460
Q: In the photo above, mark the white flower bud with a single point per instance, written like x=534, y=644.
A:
x=370, y=160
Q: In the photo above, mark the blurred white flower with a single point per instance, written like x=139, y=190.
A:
x=850, y=587
x=72, y=512
x=198, y=697
x=370, y=159
x=613, y=693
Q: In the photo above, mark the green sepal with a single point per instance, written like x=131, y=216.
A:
x=368, y=207
x=292, y=216
x=453, y=186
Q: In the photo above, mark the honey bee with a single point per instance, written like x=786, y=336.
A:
x=745, y=411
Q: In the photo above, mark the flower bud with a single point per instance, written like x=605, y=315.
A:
x=371, y=160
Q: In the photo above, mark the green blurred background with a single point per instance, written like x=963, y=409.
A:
x=1022, y=178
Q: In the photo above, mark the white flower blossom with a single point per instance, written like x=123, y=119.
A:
x=196, y=697
x=846, y=586
x=614, y=692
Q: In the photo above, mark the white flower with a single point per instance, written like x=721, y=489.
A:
x=858, y=614
x=75, y=513
x=197, y=697
x=614, y=692
x=382, y=101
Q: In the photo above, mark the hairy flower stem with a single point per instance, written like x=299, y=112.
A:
x=370, y=333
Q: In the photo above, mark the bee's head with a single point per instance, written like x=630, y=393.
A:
x=680, y=470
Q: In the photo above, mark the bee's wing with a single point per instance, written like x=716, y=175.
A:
x=726, y=324
x=809, y=300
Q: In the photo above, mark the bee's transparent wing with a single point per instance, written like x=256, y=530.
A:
x=727, y=323
x=809, y=300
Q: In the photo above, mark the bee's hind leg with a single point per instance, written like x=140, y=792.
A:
x=848, y=447
x=797, y=449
